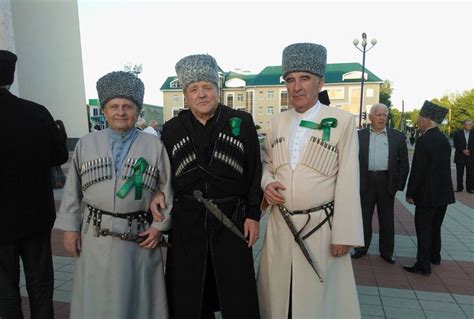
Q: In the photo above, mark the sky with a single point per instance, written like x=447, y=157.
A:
x=424, y=48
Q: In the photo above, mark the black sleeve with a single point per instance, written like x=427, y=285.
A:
x=403, y=165
x=59, y=152
x=254, y=171
x=418, y=167
x=456, y=142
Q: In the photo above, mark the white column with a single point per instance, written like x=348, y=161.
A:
x=7, y=41
x=49, y=67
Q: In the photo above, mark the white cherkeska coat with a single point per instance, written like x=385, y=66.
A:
x=320, y=176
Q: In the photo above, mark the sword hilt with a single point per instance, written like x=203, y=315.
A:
x=198, y=195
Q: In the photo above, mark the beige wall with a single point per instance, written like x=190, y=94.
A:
x=172, y=100
x=49, y=67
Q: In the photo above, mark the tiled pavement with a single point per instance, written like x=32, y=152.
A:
x=385, y=291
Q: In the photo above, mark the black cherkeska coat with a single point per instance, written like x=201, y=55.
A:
x=221, y=164
x=31, y=146
x=430, y=184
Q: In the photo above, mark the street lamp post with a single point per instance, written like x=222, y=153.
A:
x=363, y=48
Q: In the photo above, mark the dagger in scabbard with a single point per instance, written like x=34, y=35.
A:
x=211, y=207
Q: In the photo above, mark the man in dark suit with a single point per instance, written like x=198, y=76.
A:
x=430, y=187
x=464, y=156
x=32, y=145
x=383, y=162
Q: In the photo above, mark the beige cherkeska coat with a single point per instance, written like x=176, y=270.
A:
x=114, y=278
x=320, y=176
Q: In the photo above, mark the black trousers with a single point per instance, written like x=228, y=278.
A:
x=377, y=194
x=428, y=221
x=469, y=165
x=35, y=253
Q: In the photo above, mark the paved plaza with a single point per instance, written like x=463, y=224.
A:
x=385, y=291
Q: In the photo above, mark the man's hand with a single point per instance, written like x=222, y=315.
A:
x=339, y=250
x=157, y=202
x=154, y=236
x=272, y=193
x=410, y=201
x=251, y=230
x=72, y=242
x=466, y=152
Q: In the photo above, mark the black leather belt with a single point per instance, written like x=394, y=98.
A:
x=375, y=173
x=95, y=214
x=311, y=210
x=328, y=209
x=214, y=200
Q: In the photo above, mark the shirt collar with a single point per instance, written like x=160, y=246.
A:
x=122, y=136
x=309, y=113
x=382, y=131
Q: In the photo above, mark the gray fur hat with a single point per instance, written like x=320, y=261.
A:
x=304, y=57
x=433, y=111
x=120, y=84
x=198, y=67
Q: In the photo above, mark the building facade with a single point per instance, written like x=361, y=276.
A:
x=264, y=94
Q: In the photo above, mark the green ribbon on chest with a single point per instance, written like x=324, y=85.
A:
x=325, y=125
x=136, y=180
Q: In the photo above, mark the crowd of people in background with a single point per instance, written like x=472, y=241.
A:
x=205, y=181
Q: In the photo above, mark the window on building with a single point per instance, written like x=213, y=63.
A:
x=283, y=98
x=283, y=108
x=175, y=84
x=270, y=95
x=175, y=99
x=369, y=93
x=260, y=95
x=176, y=111
x=95, y=111
x=249, y=102
x=260, y=110
x=270, y=110
x=336, y=93
x=240, y=97
x=230, y=100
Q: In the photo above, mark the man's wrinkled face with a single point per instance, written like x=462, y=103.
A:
x=303, y=89
x=121, y=114
x=424, y=123
x=378, y=119
x=201, y=98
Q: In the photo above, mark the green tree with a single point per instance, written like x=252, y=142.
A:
x=386, y=93
x=412, y=116
x=461, y=107
x=395, y=118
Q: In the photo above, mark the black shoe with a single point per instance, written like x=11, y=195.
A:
x=388, y=259
x=470, y=191
x=357, y=254
x=458, y=190
x=417, y=270
x=436, y=262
